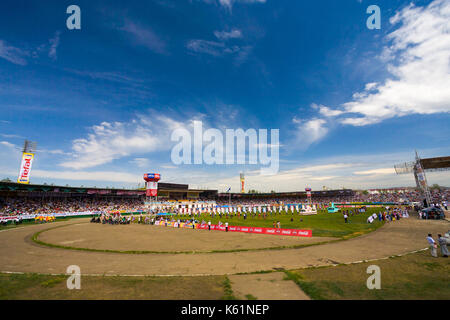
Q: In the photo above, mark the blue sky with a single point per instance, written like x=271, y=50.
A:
x=102, y=101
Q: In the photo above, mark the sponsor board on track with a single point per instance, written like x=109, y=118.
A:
x=258, y=230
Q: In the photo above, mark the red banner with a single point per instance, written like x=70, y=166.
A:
x=276, y=231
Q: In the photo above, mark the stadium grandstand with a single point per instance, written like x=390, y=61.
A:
x=17, y=198
x=170, y=191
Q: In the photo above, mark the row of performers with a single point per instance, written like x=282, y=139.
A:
x=247, y=209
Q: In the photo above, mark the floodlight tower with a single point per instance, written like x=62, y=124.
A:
x=419, y=175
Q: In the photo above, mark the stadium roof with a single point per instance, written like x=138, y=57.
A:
x=438, y=163
x=291, y=193
x=14, y=186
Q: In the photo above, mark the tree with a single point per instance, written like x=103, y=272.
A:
x=435, y=186
x=6, y=180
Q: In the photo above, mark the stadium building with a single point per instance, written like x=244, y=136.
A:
x=169, y=191
x=166, y=191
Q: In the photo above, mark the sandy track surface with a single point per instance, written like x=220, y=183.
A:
x=137, y=237
x=19, y=254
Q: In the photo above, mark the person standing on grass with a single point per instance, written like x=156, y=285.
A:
x=433, y=245
x=345, y=217
x=443, y=244
x=209, y=225
x=226, y=226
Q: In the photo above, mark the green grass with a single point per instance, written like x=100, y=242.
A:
x=228, y=291
x=415, y=276
x=308, y=288
x=322, y=224
x=38, y=286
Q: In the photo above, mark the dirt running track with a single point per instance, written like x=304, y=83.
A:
x=19, y=254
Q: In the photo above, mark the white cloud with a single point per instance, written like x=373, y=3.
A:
x=418, y=55
x=310, y=131
x=110, y=176
x=243, y=54
x=10, y=135
x=229, y=3
x=219, y=49
x=379, y=171
x=110, y=141
x=12, y=54
x=370, y=86
x=203, y=46
x=54, y=43
x=224, y=35
x=141, y=162
x=145, y=36
x=321, y=168
x=326, y=111
x=352, y=171
x=56, y=151
x=7, y=144
x=168, y=167
x=107, y=75
x=324, y=178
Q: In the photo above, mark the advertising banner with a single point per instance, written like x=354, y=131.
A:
x=25, y=168
x=152, y=189
x=56, y=215
x=274, y=231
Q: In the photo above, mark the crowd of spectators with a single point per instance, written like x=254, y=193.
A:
x=23, y=205
x=437, y=196
x=18, y=206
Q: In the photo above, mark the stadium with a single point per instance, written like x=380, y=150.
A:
x=169, y=230
x=187, y=153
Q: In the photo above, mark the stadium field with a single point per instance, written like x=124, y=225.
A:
x=32, y=271
x=322, y=224
x=136, y=238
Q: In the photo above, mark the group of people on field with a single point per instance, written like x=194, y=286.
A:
x=442, y=241
x=111, y=218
